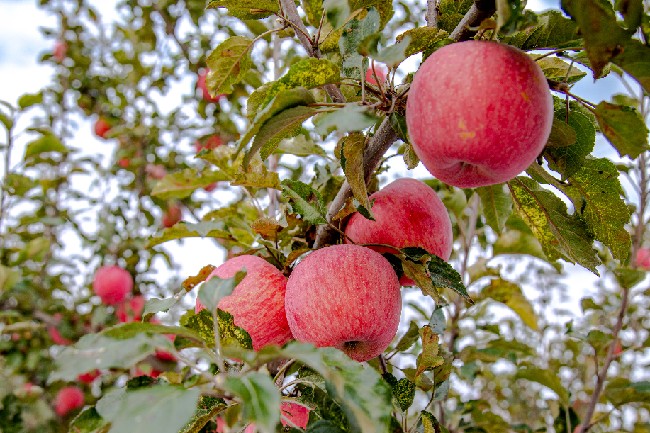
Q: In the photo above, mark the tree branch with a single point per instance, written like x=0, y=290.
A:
x=480, y=10
x=432, y=13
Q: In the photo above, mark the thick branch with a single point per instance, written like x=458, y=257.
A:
x=480, y=10
x=602, y=374
x=432, y=13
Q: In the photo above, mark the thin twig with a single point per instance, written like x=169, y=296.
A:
x=480, y=10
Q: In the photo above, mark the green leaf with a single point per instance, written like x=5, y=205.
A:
x=510, y=294
x=427, y=423
x=496, y=204
x=8, y=277
x=352, y=117
x=424, y=40
x=624, y=128
x=383, y=7
x=351, y=155
x=634, y=58
x=323, y=426
x=437, y=321
x=207, y=409
x=29, y=99
x=567, y=160
x=99, y=351
x=215, y=289
x=404, y=393
x=620, y=391
x=46, y=143
x=18, y=184
x=256, y=175
x=314, y=11
x=231, y=336
x=246, y=9
x=444, y=276
x=203, y=229
x=88, y=421
x=559, y=70
x=546, y=378
x=287, y=123
x=409, y=338
x=229, y=63
x=183, y=183
x=392, y=55
x=305, y=201
x=597, y=194
x=429, y=358
x=283, y=100
x=260, y=397
x=626, y=277
x=552, y=30
x=561, y=235
x=156, y=305
x=157, y=409
x=562, y=134
x=450, y=12
x=6, y=121
x=354, y=32
x=299, y=146
x=337, y=12
x=518, y=240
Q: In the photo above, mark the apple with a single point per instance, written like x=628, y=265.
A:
x=257, y=303
x=478, y=113
x=130, y=310
x=294, y=415
x=56, y=336
x=643, y=258
x=153, y=373
x=202, y=84
x=222, y=427
x=209, y=143
x=124, y=162
x=59, y=51
x=112, y=284
x=211, y=187
x=166, y=356
x=380, y=70
x=172, y=215
x=89, y=377
x=155, y=171
x=408, y=213
x=102, y=127
x=344, y=296
x=68, y=399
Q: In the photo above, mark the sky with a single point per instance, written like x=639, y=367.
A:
x=21, y=45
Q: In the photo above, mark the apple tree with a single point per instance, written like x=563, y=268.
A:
x=381, y=263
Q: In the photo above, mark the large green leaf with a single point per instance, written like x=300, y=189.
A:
x=624, y=128
x=552, y=30
x=496, y=204
x=46, y=143
x=203, y=324
x=215, y=289
x=561, y=235
x=557, y=69
x=424, y=40
x=207, y=409
x=351, y=155
x=305, y=201
x=228, y=62
x=383, y=7
x=246, y=9
x=354, y=32
x=158, y=409
x=260, y=397
x=620, y=391
x=351, y=117
x=203, y=229
x=511, y=295
x=183, y=183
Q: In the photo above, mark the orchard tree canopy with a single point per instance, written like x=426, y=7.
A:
x=406, y=196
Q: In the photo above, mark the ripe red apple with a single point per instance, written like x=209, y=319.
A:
x=344, y=296
x=102, y=127
x=221, y=427
x=166, y=356
x=68, y=399
x=380, y=70
x=130, y=310
x=172, y=215
x=155, y=171
x=56, y=336
x=294, y=415
x=123, y=162
x=478, y=113
x=201, y=83
x=643, y=258
x=59, y=51
x=257, y=303
x=89, y=377
x=112, y=284
x=408, y=213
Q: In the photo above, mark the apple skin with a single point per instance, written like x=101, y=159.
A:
x=89, y=377
x=257, y=303
x=408, y=213
x=112, y=284
x=643, y=258
x=56, y=336
x=295, y=414
x=130, y=310
x=101, y=128
x=172, y=215
x=344, y=296
x=380, y=70
x=478, y=113
x=60, y=50
x=209, y=143
x=124, y=162
x=68, y=399
x=202, y=84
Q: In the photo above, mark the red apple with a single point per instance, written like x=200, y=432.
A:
x=153, y=373
x=201, y=83
x=166, y=356
x=59, y=51
x=68, y=399
x=257, y=303
x=210, y=187
x=123, y=162
x=294, y=415
x=643, y=258
x=172, y=215
x=380, y=70
x=112, y=284
x=344, y=296
x=221, y=427
x=408, y=213
x=130, y=310
x=478, y=113
x=56, y=336
x=89, y=377
x=102, y=127
x=155, y=171
x=212, y=142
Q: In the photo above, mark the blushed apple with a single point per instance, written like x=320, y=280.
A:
x=380, y=71
x=130, y=310
x=56, y=336
x=172, y=215
x=344, y=296
x=89, y=377
x=643, y=258
x=478, y=113
x=202, y=84
x=257, y=303
x=155, y=171
x=68, y=399
x=294, y=415
x=212, y=142
x=112, y=284
x=123, y=162
x=166, y=356
x=102, y=127
x=60, y=50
